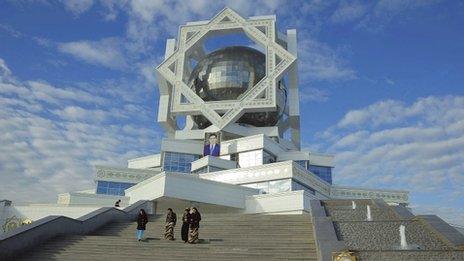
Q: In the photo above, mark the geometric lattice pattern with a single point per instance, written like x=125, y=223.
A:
x=173, y=69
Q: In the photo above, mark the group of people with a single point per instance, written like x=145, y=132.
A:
x=190, y=225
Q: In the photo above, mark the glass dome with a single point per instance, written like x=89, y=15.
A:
x=227, y=73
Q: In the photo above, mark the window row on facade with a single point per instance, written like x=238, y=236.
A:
x=112, y=188
x=282, y=185
x=325, y=173
x=181, y=162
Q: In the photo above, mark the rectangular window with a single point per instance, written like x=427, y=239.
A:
x=178, y=162
x=277, y=186
x=250, y=158
x=274, y=186
x=301, y=163
x=112, y=188
x=325, y=173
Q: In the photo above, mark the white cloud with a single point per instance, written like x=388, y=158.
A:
x=379, y=113
x=73, y=113
x=52, y=136
x=107, y=52
x=389, y=81
x=313, y=94
x=52, y=94
x=4, y=70
x=417, y=147
x=320, y=62
x=11, y=31
x=78, y=6
x=347, y=12
x=351, y=139
x=432, y=109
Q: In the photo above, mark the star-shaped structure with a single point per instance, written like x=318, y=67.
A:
x=179, y=98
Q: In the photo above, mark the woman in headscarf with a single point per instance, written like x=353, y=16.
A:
x=142, y=221
x=171, y=219
x=185, y=225
x=194, y=225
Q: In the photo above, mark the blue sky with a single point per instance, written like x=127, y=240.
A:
x=381, y=87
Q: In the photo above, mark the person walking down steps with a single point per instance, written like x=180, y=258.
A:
x=171, y=220
x=185, y=225
x=194, y=222
x=142, y=221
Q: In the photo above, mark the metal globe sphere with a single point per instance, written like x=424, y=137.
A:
x=227, y=73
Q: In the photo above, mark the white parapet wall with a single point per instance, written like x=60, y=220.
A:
x=148, y=189
x=79, y=198
x=146, y=162
x=38, y=211
x=393, y=197
x=190, y=188
x=13, y=216
x=291, y=202
x=214, y=162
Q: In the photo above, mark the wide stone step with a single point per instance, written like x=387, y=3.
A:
x=138, y=256
x=161, y=247
x=222, y=227
x=206, y=239
x=212, y=231
x=175, y=250
x=216, y=242
x=223, y=237
x=158, y=251
x=243, y=219
x=209, y=223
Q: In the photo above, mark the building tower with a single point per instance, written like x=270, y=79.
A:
x=237, y=90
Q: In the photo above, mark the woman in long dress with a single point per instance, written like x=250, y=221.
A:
x=185, y=225
x=171, y=220
x=142, y=221
x=194, y=225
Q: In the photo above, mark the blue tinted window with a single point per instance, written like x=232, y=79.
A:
x=325, y=173
x=178, y=162
x=102, y=190
x=301, y=163
x=299, y=186
x=112, y=188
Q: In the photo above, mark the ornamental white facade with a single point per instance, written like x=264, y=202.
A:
x=247, y=96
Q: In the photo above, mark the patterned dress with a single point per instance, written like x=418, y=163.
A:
x=171, y=219
x=194, y=222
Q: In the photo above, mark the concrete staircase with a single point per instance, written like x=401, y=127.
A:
x=223, y=237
